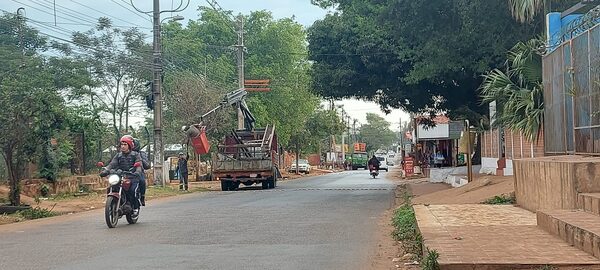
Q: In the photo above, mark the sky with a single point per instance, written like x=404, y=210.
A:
x=79, y=15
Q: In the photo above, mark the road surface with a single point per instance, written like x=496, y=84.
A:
x=321, y=222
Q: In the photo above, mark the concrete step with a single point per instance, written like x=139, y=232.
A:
x=589, y=202
x=576, y=227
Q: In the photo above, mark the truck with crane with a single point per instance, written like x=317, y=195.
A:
x=245, y=156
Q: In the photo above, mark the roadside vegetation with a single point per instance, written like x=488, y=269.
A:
x=501, y=199
x=406, y=231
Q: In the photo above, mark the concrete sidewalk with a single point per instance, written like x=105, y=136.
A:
x=478, y=236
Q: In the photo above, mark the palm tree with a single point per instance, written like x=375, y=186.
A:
x=526, y=10
x=518, y=90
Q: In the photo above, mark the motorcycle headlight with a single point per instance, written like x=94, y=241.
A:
x=113, y=179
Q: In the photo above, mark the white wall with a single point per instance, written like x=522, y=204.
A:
x=439, y=131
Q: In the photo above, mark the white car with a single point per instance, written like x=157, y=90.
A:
x=383, y=164
x=303, y=166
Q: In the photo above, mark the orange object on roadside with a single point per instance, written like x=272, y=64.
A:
x=200, y=143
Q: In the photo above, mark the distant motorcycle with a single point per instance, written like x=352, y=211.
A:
x=118, y=201
x=373, y=171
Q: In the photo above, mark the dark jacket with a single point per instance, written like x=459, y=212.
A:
x=145, y=161
x=182, y=165
x=125, y=163
x=374, y=161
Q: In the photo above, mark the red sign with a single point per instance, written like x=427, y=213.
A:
x=409, y=166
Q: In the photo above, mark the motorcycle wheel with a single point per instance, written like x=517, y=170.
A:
x=111, y=212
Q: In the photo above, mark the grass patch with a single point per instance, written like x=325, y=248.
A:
x=502, y=199
x=430, y=261
x=35, y=213
x=405, y=227
x=547, y=267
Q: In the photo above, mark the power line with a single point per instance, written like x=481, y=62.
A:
x=43, y=11
x=65, y=11
x=132, y=11
x=106, y=14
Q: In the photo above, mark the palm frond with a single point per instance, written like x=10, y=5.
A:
x=525, y=10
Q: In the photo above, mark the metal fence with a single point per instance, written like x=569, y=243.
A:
x=571, y=77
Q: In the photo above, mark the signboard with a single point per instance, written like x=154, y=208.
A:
x=360, y=147
x=409, y=166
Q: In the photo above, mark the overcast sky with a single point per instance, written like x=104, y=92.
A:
x=79, y=15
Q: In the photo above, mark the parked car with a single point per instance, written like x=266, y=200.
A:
x=390, y=162
x=303, y=166
x=383, y=166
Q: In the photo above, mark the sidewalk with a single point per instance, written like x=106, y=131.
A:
x=478, y=236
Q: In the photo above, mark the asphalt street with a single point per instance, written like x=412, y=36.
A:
x=321, y=222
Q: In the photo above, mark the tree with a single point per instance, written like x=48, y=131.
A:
x=528, y=10
x=518, y=90
x=376, y=133
x=428, y=59
x=276, y=50
x=120, y=71
x=30, y=87
x=189, y=98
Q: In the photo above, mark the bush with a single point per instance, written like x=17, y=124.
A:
x=406, y=229
x=430, y=261
x=44, y=190
x=502, y=199
x=35, y=213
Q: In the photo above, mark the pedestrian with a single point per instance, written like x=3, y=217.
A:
x=182, y=171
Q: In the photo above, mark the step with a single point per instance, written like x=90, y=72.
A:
x=576, y=227
x=589, y=202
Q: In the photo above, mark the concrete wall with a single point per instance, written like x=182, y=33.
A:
x=554, y=182
x=454, y=176
x=488, y=165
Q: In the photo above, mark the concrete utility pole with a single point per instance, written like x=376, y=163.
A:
x=158, y=169
x=157, y=91
x=21, y=43
x=240, y=63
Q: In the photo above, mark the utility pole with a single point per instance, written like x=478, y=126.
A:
x=240, y=63
x=21, y=43
x=157, y=92
x=158, y=170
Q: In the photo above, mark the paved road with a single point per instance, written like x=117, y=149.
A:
x=323, y=222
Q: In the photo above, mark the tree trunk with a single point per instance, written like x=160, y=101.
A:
x=14, y=194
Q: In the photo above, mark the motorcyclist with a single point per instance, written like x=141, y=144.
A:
x=145, y=166
x=125, y=161
x=374, y=162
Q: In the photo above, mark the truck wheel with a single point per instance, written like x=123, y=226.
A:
x=265, y=184
x=224, y=185
x=234, y=185
x=271, y=182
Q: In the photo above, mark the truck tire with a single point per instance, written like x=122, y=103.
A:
x=265, y=184
x=271, y=182
x=234, y=185
x=224, y=185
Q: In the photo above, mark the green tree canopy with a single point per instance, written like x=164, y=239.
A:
x=377, y=133
x=417, y=55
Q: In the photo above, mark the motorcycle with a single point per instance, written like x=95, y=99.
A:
x=118, y=201
x=373, y=171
